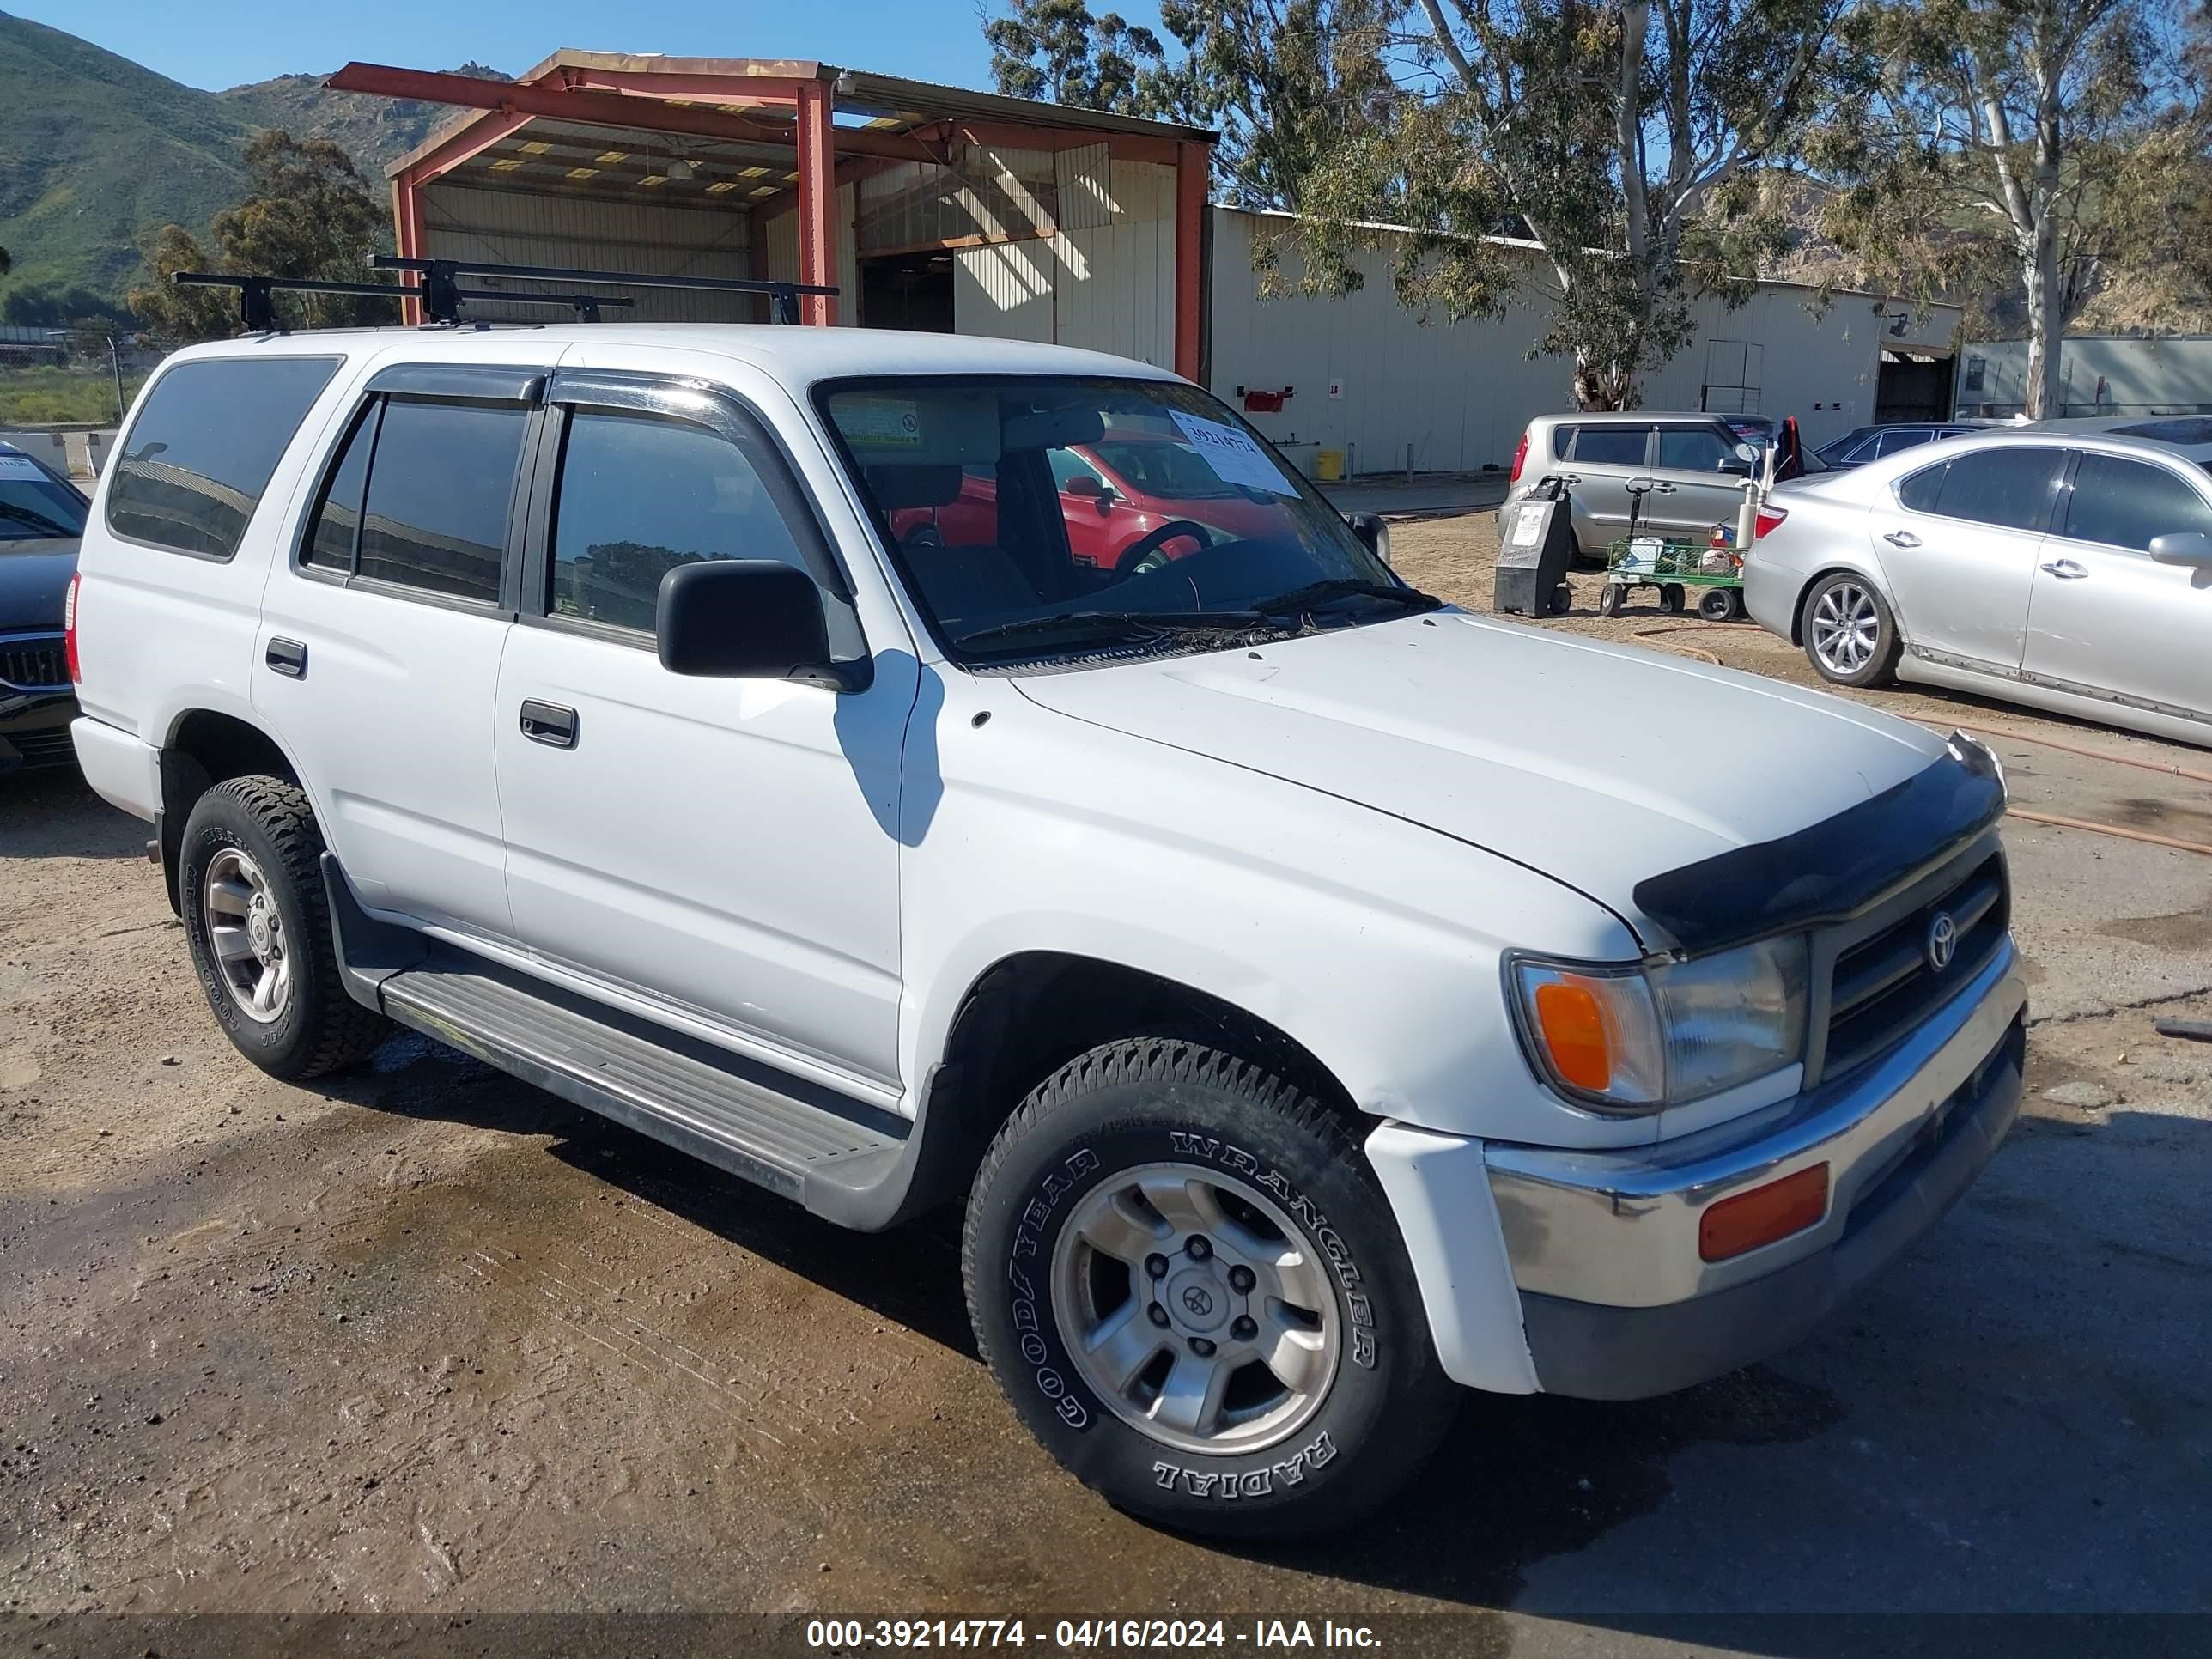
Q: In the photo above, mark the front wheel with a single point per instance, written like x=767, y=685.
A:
x=1185, y=1276
x=1851, y=637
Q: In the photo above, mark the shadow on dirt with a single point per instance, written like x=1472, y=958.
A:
x=51, y=814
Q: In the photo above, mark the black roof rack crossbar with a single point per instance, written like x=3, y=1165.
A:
x=438, y=278
x=257, y=311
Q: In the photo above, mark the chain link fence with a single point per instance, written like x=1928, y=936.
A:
x=62, y=391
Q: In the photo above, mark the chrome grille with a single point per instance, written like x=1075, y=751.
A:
x=1884, y=984
x=35, y=664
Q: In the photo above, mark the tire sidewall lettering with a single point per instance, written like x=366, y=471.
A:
x=1027, y=1250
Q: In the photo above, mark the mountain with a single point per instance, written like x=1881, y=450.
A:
x=95, y=150
x=375, y=131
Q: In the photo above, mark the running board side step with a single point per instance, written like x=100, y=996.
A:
x=842, y=1158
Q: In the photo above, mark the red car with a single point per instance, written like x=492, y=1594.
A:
x=1115, y=495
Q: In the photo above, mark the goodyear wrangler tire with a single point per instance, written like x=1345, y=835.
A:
x=1186, y=1279
x=250, y=881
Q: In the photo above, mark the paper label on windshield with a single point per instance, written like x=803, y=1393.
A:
x=1234, y=457
x=880, y=422
x=21, y=466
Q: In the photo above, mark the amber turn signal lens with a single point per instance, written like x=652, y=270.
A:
x=1573, y=1027
x=1763, y=1215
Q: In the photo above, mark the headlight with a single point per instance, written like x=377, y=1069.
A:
x=1635, y=1039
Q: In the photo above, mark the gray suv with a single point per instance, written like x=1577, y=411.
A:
x=1698, y=461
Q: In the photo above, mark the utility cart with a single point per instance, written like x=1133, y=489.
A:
x=1672, y=564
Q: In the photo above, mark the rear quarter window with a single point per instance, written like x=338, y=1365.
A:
x=203, y=447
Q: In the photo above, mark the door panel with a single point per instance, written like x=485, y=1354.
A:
x=1605, y=458
x=379, y=649
x=1958, y=549
x=1688, y=457
x=2106, y=617
x=727, y=845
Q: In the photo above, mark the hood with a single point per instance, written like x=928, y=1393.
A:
x=1597, y=764
x=33, y=577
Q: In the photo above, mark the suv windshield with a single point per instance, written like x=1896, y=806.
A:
x=34, y=506
x=979, y=487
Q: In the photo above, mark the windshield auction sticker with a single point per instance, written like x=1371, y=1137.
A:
x=21, y=466
x=1234, y=457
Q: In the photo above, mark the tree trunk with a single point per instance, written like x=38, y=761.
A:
x=2047, y=324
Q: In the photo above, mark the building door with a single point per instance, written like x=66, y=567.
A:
x=907, y=290
x=1733, y=368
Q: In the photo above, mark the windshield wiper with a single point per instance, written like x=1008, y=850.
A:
x=51, y=526
x=1301, y=599
x=1141, y=624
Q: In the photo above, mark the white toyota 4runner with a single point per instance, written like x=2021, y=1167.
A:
x=792, y=744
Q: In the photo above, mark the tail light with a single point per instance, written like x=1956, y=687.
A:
x=1520, y=460
x=69, y=629
x=1768, y=521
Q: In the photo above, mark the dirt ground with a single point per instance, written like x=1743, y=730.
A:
x=424, y=1341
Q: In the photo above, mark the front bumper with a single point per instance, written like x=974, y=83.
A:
x=35, y=729
x=1616, y=1303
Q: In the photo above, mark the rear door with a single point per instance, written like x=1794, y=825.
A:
x=1689, y=455
x=1958, y=543
x=1603, y=457
x=382, y=633
x=2106, y=619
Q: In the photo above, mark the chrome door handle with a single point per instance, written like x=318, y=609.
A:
x=2066, y=570
x=1902, y=539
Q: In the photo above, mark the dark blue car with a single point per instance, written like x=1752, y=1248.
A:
x=41, y=517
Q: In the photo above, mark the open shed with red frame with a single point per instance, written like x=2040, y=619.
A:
x=926, y=206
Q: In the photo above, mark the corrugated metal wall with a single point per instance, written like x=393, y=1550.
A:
x=1459, y=394
x=1104, y=281
x=521, y=228
x=783, y=255
x=2096, y=376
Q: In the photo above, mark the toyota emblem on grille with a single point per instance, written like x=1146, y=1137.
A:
x=1200, y=1304
x=1943, y=941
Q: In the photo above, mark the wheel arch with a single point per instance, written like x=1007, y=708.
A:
x=1031, y=1012
x=203, y=747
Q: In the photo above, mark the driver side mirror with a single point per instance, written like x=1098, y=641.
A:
x=2189, y=547
x=1372, y=532
x=1735, y=465
x=751, y=619
x=1084, y=484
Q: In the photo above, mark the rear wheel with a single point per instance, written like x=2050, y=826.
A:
x=1608, y=599
x=1719, y=605
x=1851, y=637
x=1186, y=1279
x=256, y=918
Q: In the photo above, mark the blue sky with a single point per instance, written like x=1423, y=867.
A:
x=226, y=44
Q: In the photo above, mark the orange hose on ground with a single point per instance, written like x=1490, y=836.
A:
x=2121, y=830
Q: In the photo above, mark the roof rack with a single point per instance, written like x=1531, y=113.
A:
x=443, y=297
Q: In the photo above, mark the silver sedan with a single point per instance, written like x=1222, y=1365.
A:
x=2071, y=571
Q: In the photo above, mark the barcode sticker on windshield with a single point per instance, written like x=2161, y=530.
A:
x=1234, y=457
x=21, y=466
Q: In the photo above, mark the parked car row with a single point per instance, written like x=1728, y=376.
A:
x=41, y=517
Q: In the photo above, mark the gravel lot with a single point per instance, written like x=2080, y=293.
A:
x=426, y=1341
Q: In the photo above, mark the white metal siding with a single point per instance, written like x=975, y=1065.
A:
x=783, y=254
x=2140, y=377
x=535, y=228
x=1459, y=394
x=1108, y=285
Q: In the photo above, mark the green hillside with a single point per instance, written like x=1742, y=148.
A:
x=94, y=148
x=375, y=131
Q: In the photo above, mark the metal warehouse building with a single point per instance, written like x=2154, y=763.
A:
x=932, y=207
